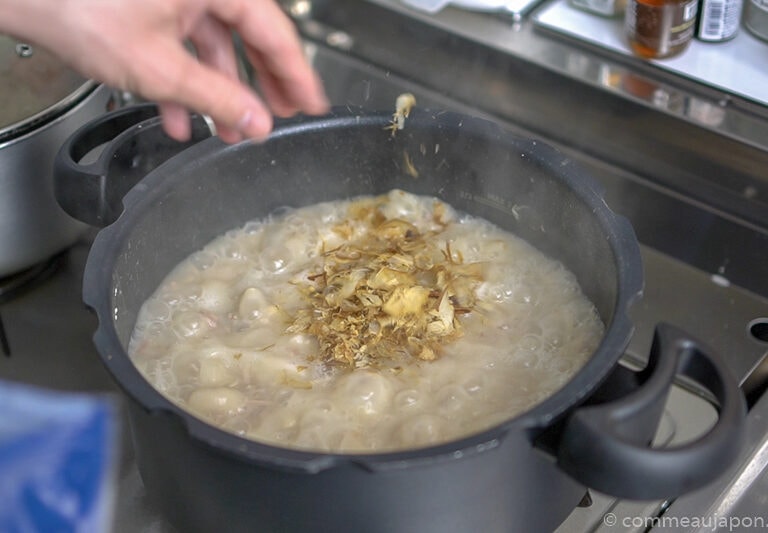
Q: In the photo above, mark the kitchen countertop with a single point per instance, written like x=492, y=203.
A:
x=646, y=151
x=737, y=67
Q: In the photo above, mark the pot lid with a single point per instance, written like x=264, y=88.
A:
x=34, y=86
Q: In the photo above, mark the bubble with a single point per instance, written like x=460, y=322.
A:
x=215, y=372
x=190, y=324
x=252, y=303
x=282, y=396
x=474, y=384
x=422, y=429
x=564, y=365
x=313, y=438
x=553, y=331
x=157, y=308
x=530, y=343
x=451, y=399
x=152, y=339
x=239, y=426
x=524, y=294
x=203, y=260
x=527, y=359
x=180, y=294
x=365, y=392
x=253, y=226
x=217, y=401
x=319, y=416
x=275, y=260
x=282, y=212
x=215, y=296
x=186, y=367
x=303, y=344
x=491, y=292
x=407, y=399
x=234, y=252
x=278, y=424
x=165, y=381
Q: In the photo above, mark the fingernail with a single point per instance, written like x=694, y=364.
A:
x=229, y=135
x=245, y=122
x=255, y=126
x=322, y=98
x=325, y=105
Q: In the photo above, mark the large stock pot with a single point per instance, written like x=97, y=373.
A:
x=41, y=103
x=527, y=473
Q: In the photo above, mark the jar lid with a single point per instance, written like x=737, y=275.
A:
x=35, y=86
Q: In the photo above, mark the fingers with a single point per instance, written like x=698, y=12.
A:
x=287, y=81
x=213, y=43
x=171, y=74
x=209, y=84
x=275, y=48
x=175, y=120
x=280, y=104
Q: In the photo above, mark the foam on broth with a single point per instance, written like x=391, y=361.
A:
x=215, y=338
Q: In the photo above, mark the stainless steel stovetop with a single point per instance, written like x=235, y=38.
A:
x=694, y=192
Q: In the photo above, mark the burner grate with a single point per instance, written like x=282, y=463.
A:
x=5, y=346
x=16, y=284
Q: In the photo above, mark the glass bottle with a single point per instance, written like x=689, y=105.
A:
x=718, y=20
x=660, y=28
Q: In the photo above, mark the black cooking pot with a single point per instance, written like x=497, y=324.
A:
x=525, y=474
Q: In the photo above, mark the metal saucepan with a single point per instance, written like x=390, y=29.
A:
x=41, y=104
x=527, y=473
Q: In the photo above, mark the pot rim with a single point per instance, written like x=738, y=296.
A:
x=20, y=130
x=97, y=293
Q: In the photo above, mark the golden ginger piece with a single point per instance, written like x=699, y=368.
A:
x=388, y=278
x=389, y=293
x=406, y=301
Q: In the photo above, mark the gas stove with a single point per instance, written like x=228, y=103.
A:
x=692, y=189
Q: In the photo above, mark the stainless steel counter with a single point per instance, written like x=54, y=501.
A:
x=695, y=191
x=737, y=67
x=644, y=151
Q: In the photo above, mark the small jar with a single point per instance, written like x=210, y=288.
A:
x=718, y=20
x=756, y=18
x=658, y=29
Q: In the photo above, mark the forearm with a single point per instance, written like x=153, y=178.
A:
x=30, y=20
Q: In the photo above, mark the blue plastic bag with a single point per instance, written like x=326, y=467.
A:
x=58, y=453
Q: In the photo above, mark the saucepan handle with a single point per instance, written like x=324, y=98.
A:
x=131, y=143
x=606, y=446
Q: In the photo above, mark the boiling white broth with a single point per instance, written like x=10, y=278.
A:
x=215, y=338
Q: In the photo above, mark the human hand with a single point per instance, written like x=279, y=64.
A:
x=139, y=46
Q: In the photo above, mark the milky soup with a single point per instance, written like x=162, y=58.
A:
x=366, y=325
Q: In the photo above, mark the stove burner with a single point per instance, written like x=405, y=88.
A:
x=16, y=284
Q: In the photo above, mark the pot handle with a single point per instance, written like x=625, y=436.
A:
x=607, y=446
x=133, y=143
